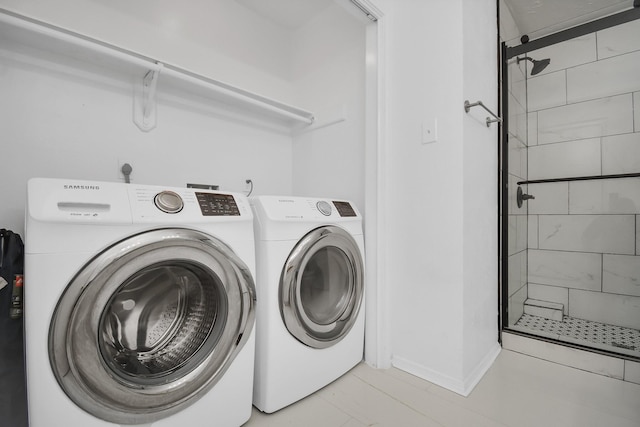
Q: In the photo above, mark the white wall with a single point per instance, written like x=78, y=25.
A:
x=58, y=124
x=57, y=127
x=480, y=198
x=425, y=250
x=441, y=200
x=329, y=79
x=216, y=38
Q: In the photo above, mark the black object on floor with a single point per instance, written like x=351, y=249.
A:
x=13, y=396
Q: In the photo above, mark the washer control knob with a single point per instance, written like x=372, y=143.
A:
x=324, y=208
x=169, y=202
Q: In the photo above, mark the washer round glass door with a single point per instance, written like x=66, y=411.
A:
x=322, y=286
x=150, y=324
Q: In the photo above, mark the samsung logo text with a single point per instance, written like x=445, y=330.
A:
x=81, y=187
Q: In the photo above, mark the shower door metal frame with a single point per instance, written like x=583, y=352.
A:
x=571, y=33
x=508, y=53
x=503, y=192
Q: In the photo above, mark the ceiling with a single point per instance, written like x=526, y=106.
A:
x=537, y=18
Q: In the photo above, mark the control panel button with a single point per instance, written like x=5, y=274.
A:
x=324, y=208
x=215, y=204
x=169, y=202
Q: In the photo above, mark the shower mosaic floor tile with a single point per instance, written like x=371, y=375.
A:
x=617, y=338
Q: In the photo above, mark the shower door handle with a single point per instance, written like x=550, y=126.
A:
x=521, y=197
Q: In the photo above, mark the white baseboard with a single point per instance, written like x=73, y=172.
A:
x=462, y=386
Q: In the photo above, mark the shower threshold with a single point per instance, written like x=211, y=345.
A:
x=611, y=338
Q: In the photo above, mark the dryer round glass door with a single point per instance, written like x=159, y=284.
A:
x=151, y=324
x=322, y=287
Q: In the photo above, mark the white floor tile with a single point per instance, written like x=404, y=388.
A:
x=523, y=391
x=354, y=423
x=517, y=391
x=309, y=412
x=419, y=398
x=372, y=406
x=632, y=371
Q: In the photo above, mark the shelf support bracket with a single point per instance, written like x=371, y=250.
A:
x=145, y=101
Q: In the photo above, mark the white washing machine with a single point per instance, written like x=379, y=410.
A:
x=139, y=305
x=310, y=290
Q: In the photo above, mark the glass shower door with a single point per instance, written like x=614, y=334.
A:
x=572, y=269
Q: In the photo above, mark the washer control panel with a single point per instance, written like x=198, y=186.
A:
x=214, y=204
x=324, y=207
x=345, y=208
x=169, y=202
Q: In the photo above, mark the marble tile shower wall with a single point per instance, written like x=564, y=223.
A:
x=583, y=115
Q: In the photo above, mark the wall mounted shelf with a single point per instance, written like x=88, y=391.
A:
x=146, y=71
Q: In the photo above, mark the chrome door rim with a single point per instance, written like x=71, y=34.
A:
x=75, y=355
x=299, y=324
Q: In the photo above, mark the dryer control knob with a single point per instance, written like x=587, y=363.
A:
x=324, y=208
x=169, y=202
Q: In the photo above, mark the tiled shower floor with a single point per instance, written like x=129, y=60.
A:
x=613, y=338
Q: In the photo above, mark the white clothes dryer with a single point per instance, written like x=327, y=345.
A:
x=310, y=293
x=139, y=305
